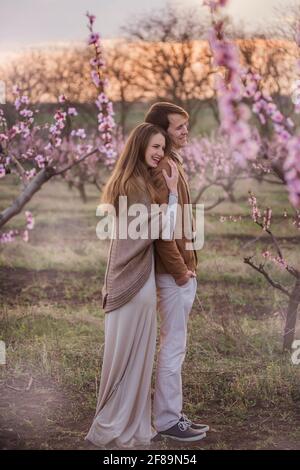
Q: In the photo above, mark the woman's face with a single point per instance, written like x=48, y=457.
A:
x=155, y=150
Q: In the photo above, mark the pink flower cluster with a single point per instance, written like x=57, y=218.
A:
x=26, y=120
x=291, y=168
x=23, y=143
x=21, y=131
x=58, y=145
x=245, y=144
x=79, y=133
x=215, y=4
x=234, y=115
x=10, y=235
x=276, y=260
x=267, y=218
x=256, y=214
x=265, y=108
x=208, y=160
x=106, y=121
x=296, y=220
x=264, y=221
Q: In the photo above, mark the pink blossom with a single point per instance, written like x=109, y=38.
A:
x=2, y=171
x=276, y=260
x=8, y=237
x=3, y=137
x=29, y=174
x=292, y=170
x=48, y=146
x=256, y=214
x=40, y=161
x=26, y=113
x=95, y=77
x=79, y=133
x=94, y=38
x=102, y=98
x=17, y=103
x=59, y=116
x=262, y=118
x=53, y=130
x=30, y=220
x=72, y=112
x=25, y=99
x=267, y=218
x=91, y=18
x=97, y=62
x=277, y=117
x=15, y=90
x=215, y=4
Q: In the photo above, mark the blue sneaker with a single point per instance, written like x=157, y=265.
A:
x=182, y=431
x=197, y=426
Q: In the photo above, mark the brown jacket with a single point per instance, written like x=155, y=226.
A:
x=172, y=257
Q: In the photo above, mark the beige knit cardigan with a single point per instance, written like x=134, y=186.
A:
x=130, y=261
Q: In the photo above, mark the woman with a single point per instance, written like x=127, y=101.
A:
x=123, y=413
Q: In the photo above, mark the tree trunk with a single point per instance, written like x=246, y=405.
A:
x=291, y=318
x=21, y=200
x=231, y=195
x=81, y=189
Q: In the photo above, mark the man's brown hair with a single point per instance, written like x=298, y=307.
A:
x=158, y=114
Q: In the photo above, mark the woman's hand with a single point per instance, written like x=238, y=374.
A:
x=173, y=179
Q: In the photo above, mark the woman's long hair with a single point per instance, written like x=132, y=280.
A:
x=131, y=174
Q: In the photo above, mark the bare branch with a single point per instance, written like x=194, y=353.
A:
x=216, y=203
x=261, y=270
x=72, y=164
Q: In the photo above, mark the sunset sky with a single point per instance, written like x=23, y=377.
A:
x=34, y=22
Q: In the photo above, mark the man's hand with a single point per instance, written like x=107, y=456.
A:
x=184, y=279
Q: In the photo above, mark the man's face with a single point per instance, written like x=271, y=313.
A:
x=178, y=130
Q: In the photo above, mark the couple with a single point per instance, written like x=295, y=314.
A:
x=136, y=268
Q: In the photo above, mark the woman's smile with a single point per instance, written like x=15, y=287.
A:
x=156, y=159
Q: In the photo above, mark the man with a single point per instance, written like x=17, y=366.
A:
x=177, y=285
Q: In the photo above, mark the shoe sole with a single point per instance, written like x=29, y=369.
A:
x=202, y=429
x=185, y=439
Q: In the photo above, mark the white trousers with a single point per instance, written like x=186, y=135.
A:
x=174, y=304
